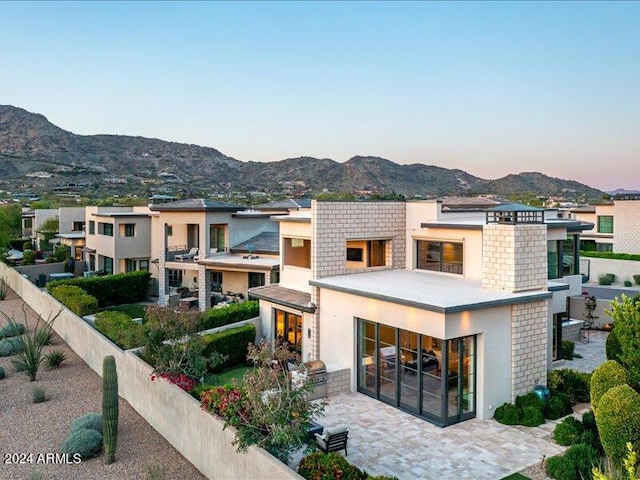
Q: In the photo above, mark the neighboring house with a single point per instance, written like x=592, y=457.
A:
x=617, y=224
x=71, y=230
x=33, y=227
x=118, y=239
x=208, y=246
x=442, y=312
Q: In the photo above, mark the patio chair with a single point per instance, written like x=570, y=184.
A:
x=187, y=256
x=333, y=440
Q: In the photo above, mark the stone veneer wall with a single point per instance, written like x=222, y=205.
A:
x=514, y=257
x=333, y=223
x=339, y=381
x=528, y=346
x=626, y=226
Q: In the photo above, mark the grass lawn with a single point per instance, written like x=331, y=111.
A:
x=134, y=310
x=516, y=476
x=229, y=375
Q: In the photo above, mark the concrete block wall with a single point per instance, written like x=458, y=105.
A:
x=339, y=380
x=626, y=226
x=514, y=257
x=196, y=434
x=528, y=346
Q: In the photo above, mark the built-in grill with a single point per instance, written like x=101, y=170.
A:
x=317, y=371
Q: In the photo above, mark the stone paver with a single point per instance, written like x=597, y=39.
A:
x=386, y=441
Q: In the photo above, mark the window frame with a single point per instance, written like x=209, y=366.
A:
x=605, y=221
x=451, y=266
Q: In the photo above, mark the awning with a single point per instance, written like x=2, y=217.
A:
x=286, y=297
x=88, y=250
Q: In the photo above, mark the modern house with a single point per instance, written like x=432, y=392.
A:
x=118, y=239
x=208, y=246
x=617, y=224
x=71, y=223
x=68, y=231
x=445, y=313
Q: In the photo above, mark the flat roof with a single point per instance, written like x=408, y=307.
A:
x=121, y=214
x=436, y=292
x=238, y=261
x=71, y=236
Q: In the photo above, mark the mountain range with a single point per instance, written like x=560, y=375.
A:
x=31, y=146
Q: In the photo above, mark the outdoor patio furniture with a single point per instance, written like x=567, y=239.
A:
x=333, y=439
x=187, y=256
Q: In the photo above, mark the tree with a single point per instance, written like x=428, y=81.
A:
x=626, y=316
x=269, y=409
x=10, y=223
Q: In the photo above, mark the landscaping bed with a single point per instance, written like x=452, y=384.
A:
x=72, y=390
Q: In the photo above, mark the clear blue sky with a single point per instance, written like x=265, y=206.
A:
x=491, y=88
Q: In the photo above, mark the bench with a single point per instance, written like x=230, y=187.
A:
x=333, y=440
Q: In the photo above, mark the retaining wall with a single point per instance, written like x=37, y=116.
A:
x=623, y=269
x=177, y=416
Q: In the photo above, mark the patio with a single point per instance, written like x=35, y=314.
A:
x=386, y=441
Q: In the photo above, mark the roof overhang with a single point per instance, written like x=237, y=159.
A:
x=286, y=297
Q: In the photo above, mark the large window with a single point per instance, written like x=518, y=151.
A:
x=424, y=375
x=130, y=265
x=256, y=279
x=605, y=224
x=297, y=252
x=128, y=230
x=174, y=277
x=107, y=264
x=105, y=229
x=77, y=227
x=366, y=253
x=604, y=247
x=289, y=330
x=440, y=256
x=92, y=227
x=216, y=237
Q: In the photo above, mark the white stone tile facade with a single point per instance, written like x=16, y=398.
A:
x=626, y=226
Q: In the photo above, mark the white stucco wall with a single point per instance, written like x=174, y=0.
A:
x=493, y=327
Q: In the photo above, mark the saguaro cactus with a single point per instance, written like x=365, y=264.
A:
x=109, y=408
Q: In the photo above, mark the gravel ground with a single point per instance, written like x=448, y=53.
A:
x=73, y=390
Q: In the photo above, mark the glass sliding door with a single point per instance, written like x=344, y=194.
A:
x=367, y=358
x=408, y=377
x=387, y=363
x=420, y=374
x=289, y=330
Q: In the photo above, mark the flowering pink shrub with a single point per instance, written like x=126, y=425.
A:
x=181, y=380
x=226, y=402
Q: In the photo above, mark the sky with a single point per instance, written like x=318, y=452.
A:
x=489, y=88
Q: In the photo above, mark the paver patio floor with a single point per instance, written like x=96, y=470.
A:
x=386, y=441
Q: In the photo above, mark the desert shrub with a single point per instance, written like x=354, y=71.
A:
x=618, y=420
x=10, y=346
x=613, y=347
x=570, y=382
x=560, y=468
x=532, y=416
x=583, y=457
x=568, y=431
x=2, y=373
x=232, y=343
x=75, y=298
x=39, y=395
x=90, y=421
x=508, y=414
x=529, y=400
x=55, y=358
x=567, y=349
x=626, y=316
x=218, y=317
x=87, y=443
x=636, y=279
x=608, y=375
x=628, y=282
x=12, y=329
x=557, y=406
x=28, y=257
x=111, y=289
x=120, y=329
x=44, y=336
x=328, y=466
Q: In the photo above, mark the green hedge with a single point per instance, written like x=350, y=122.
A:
x=111, y=289
x=570, y=382
x=613, y=347
x=219, y=317
x=608, y=375
x=120, y=329
x=618, y=420
x=611, y=255
x=75, y=298
x=232, y=342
